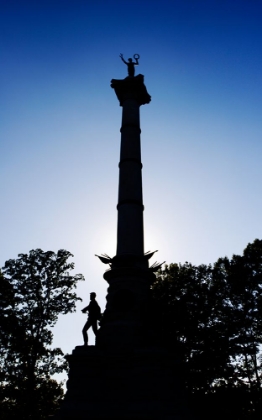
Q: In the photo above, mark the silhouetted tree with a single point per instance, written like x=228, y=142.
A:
x=34, y=290
x=211, y=316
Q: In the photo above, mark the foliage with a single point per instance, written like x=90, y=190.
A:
x=34, y=290
x=212, y=317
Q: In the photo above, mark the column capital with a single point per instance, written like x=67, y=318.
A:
x=131, y=88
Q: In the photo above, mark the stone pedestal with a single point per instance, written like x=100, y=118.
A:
x=125, y=323
x=143, y=384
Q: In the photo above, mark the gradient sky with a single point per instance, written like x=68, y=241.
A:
x=60, y=139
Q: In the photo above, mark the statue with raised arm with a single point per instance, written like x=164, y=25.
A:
x=131, y=83
x=131, y=64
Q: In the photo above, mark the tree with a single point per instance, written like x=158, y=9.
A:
x=34, y=290
x=211, y=316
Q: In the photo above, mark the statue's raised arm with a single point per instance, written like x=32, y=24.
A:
x=131, y=64
x=122, y=58
x=136, y=57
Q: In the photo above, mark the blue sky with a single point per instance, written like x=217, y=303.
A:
x=60, y=120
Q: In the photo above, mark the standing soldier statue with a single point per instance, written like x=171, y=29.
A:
x=131, y=64
x=94, y=314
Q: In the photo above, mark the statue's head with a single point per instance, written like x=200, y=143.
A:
x=130, y=60
x=92, y=295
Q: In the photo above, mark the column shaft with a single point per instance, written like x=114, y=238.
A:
x=130, y=231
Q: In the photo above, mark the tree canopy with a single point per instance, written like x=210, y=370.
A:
x=34, y=290
x=211, y=316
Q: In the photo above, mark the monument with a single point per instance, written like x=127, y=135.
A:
x=126, y=375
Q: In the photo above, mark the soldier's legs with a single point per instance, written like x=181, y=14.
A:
x=84, y=331
x=94, y=327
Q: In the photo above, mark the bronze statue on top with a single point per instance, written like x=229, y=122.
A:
x=131, y=83
x=131, y=64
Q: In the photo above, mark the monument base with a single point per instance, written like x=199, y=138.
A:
x=144, y=384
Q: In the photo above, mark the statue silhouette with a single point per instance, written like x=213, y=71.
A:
x=130, y=64
x=94, y=314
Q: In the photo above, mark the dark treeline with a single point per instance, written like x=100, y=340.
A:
x=211, y=318
x=34, y=290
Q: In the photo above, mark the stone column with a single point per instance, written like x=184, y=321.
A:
x=130, y=234
x=129, y=279
x=131, y=93
x=127, y=375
